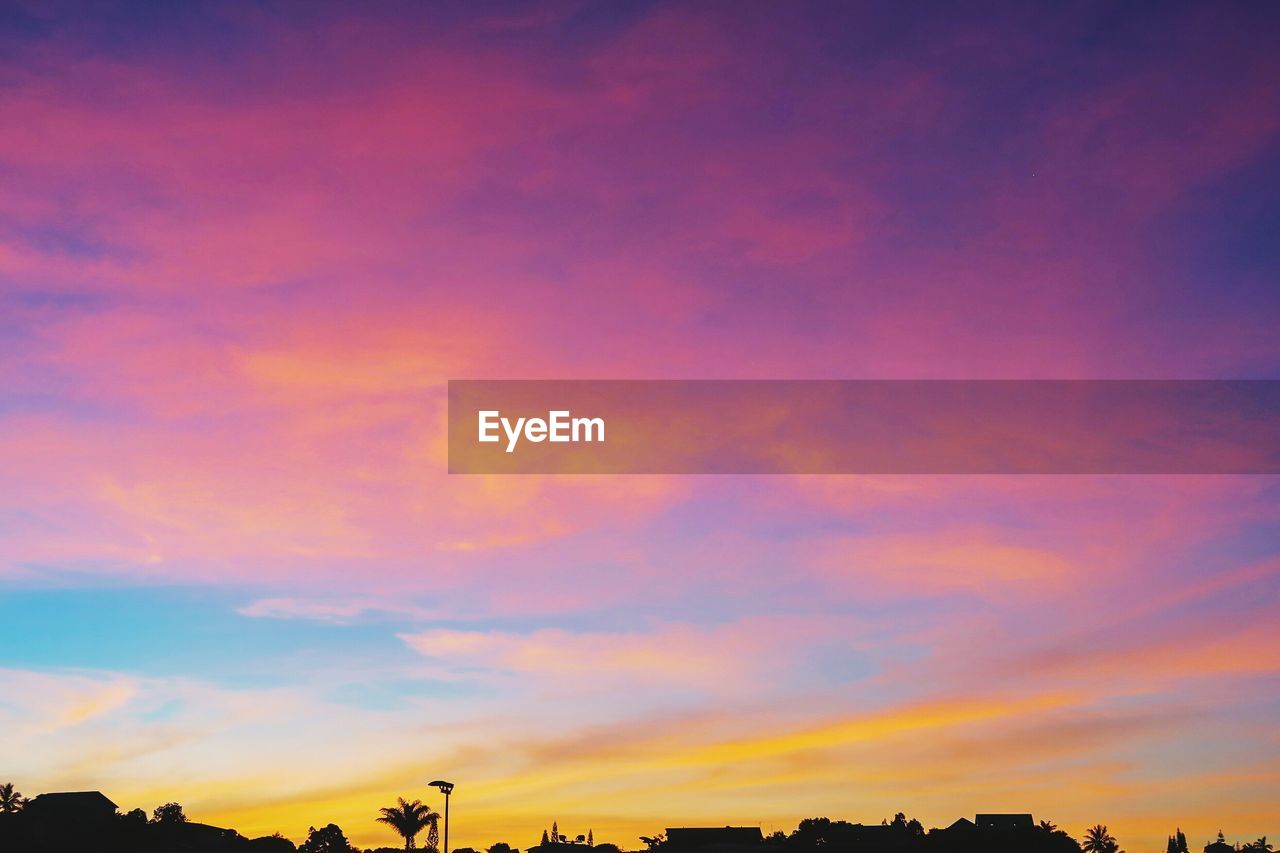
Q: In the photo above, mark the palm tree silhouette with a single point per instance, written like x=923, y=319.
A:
x=433, y=833
x=408, y=819
x=1098, y=840
x=10, y=800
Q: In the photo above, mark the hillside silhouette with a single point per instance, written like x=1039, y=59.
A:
x=84, y=821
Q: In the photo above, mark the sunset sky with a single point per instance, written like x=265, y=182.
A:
x=244, y=246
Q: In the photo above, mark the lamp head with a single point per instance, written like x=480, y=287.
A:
x=446, y=788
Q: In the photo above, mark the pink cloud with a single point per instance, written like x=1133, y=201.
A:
x=736, y=657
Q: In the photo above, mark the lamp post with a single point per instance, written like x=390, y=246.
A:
x=446, y=788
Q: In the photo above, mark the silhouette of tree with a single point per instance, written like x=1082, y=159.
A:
x=1098, y=840
x=545, y=839
x=168, y=814
x=273, y=843
x=910, y=827
x=1260, y=845
x=502, y=847
x=591, y=840
x=1178, y=842
x=1048, y=837
x=327, y=839
x=811, y=832
x=130, y=832
x=433, y=833
x=408, y=819
x=654, y=842
x=10, y=800
x=555, y=832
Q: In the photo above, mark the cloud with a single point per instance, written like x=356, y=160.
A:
x=47, y=704
x=336, y=611
x=736, y=657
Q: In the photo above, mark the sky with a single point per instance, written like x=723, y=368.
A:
x=244, y=246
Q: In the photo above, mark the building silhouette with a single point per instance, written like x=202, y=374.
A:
x=717, y=839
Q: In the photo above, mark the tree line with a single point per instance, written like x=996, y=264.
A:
x=168, y=830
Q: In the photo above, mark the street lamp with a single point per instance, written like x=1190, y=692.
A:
x=446, y=788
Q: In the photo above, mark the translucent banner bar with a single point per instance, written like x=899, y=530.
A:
x=864, y=427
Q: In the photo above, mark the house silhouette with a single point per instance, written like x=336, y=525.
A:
x=1219, y=846
x=71, y=807
x=1004, y=822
